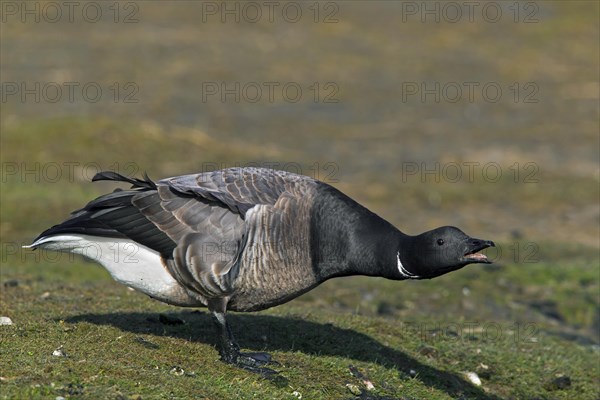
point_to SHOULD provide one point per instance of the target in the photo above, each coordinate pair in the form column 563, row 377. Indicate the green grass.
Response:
column 116, row 345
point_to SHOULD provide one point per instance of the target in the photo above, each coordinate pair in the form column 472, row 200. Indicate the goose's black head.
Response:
column 438, row 252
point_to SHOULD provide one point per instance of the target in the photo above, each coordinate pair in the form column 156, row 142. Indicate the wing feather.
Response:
column 238, row 189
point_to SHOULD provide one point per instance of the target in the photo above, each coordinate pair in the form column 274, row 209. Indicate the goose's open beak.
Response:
column 473, row 246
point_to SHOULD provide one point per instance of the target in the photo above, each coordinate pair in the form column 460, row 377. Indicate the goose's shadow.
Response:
column 291, row 334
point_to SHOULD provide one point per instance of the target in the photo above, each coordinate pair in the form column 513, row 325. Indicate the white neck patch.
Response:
column 404, row 272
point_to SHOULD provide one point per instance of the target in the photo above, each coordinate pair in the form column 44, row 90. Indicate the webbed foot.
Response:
column 255, row 362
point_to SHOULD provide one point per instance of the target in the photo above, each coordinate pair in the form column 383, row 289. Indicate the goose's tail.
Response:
column 114, row 232
column 112, row 215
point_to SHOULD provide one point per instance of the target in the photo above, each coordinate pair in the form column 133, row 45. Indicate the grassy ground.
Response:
column 528, row 325
column 116, row 344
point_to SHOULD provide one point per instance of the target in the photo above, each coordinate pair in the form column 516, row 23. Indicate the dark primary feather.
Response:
column 145, row 183
column 112, row 215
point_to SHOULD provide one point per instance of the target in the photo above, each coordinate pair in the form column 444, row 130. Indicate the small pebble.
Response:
column 412, row 373
column 5, row 321
column 59, row 352
column 45, row 295
column 297, row 394
column 474, row 378
column 59, row 398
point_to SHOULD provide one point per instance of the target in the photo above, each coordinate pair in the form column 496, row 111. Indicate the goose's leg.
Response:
column 228, row 347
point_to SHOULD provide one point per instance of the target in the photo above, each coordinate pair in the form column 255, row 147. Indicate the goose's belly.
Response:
column 263, row 284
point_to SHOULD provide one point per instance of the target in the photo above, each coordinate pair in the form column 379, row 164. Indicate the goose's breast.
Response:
column 276, row 263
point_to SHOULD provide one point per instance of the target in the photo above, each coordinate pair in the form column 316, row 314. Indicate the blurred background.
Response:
column 485, row 117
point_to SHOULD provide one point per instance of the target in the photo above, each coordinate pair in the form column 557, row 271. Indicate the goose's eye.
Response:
column 440, row 242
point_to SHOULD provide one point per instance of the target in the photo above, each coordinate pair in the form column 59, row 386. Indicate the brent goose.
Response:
column 246, row 239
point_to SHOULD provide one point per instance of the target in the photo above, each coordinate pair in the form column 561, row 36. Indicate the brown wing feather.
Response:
column 239, row 189
column 207, row 235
